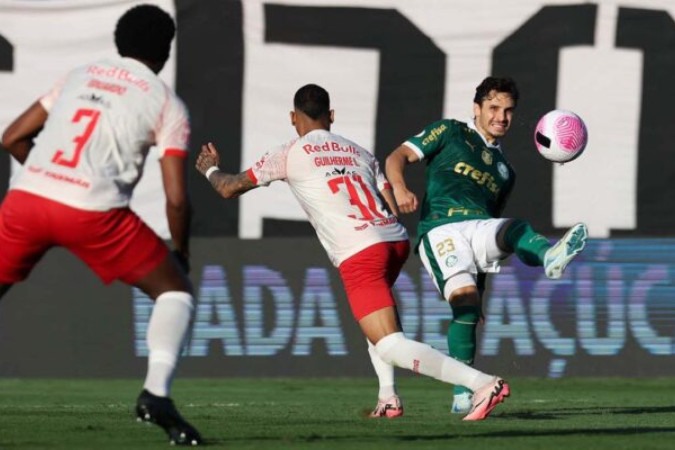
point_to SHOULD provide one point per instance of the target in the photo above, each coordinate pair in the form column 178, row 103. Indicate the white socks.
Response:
column 398, row 350
column 385, row 374
column 167, row 328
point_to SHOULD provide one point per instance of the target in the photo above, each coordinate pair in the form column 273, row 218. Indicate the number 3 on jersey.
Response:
column 368, row 211
column 88, row 117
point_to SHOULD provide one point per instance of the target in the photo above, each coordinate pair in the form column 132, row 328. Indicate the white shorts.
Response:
column 455, row 253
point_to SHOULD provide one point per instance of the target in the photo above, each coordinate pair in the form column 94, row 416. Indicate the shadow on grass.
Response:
column 617, row 431
column 381, row 439
column 553, row 414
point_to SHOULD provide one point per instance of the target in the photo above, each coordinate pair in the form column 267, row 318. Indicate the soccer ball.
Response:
column 560, row 136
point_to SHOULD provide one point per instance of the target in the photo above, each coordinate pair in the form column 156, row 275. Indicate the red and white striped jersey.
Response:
column 103, row 118
column 337, row 183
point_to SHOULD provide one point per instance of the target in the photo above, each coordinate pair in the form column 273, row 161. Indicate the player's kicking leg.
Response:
column 563, row 252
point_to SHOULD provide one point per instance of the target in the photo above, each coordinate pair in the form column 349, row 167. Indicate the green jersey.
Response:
column 465, row 178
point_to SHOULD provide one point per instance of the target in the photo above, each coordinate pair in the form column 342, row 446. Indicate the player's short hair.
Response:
column 501, row 85
column 145, row 32
column 313, row 100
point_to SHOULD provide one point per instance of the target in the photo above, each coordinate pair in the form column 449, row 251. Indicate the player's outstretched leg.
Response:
column 486, row 398
column 563, row 252
column 389, row 408
column 162, row 412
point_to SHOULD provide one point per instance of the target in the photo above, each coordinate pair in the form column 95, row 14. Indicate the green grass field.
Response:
column 329, row 414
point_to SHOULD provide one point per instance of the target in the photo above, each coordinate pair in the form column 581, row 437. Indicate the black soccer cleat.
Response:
column 162, row 412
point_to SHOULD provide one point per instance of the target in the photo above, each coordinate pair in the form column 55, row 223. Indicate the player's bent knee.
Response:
column 385, row 347
column 461, row 281
column 466, row 296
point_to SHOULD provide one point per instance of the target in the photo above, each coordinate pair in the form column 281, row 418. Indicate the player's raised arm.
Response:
column 227, row 185
column 394, row 167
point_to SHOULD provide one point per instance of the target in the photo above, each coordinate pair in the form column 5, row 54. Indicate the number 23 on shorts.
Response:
column 445, row 246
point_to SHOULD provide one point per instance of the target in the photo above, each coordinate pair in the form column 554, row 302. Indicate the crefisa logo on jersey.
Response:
column 503, row 170
column 434, row 134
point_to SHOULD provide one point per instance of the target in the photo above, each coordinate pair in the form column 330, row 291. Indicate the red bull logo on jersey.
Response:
column 434, row 134
column 330, row 146
column 119, row 74
column 481, row 178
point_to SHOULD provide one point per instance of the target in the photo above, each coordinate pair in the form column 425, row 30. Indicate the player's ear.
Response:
column 332, row 115
column 292, row 114
column 476, row 110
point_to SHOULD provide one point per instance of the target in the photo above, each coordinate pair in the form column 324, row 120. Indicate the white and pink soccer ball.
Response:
column 560, row 136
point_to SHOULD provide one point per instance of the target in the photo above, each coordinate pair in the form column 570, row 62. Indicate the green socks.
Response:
column 528, row 245
column 462, row 337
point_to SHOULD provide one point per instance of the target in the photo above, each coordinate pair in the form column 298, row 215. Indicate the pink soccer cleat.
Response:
column 390, row 408
column 487, row 398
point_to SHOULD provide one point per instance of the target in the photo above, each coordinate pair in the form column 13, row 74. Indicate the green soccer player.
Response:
column 461, row 235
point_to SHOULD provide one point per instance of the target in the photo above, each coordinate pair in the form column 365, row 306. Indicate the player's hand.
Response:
column 405, row 200
column 183, row 260
column 208, row 157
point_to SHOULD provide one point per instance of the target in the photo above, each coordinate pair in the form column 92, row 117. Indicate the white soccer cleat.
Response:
column 563, row 252
column 461, row 403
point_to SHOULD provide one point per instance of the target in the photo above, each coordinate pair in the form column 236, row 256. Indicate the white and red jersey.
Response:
column 103, row 118
column 337, row 183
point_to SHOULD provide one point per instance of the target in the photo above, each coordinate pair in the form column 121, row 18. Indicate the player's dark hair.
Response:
column 145, row 32
column 312, row 100
column 503, row 85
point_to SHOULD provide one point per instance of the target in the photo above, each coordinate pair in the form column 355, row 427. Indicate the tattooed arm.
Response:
column 227, row 185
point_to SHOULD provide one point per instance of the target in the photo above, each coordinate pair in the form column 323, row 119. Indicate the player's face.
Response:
column 493, row 116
